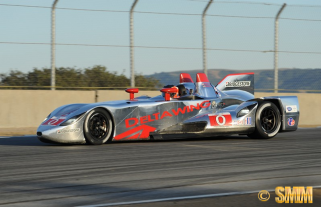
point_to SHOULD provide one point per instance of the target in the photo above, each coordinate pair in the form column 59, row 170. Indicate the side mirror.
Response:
column 131, row 92
column 168, row 92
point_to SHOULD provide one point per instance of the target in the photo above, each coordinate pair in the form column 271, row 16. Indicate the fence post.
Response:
column 96, row 96
column 204, row 37
column 131, row 30
column 276, row 45
column 53, row 45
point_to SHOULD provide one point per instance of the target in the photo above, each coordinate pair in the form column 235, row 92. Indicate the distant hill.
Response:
column 289, row 79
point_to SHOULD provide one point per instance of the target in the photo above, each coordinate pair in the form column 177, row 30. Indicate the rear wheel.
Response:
column 98, row 127
column 267, row 121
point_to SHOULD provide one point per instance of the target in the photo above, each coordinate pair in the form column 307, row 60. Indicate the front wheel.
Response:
column 98, row 127
column 267, row 121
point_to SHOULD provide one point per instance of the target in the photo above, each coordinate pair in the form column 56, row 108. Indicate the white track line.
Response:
column 179, row 198
column 171, row 199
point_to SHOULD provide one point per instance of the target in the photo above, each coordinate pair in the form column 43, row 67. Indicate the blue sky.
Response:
column 20, row 24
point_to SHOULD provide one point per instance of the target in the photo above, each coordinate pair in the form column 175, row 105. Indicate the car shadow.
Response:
column 185, row 139
column 34, row 141
column 26, row 141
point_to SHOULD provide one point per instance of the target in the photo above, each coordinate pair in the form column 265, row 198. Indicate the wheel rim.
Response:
column 269, row 120
column 98, row 126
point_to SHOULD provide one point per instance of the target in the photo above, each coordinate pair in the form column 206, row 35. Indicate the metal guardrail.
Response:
column 142, row 88
column 299, row 90
column 62, row 87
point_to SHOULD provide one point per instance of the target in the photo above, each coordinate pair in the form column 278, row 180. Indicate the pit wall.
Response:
column 23, row 110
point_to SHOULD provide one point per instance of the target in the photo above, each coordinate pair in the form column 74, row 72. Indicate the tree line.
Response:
column 96, row 76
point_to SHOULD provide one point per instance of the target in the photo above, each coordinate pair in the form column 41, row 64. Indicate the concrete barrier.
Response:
column 110, row 95
column 23, row 110
column 310, row 114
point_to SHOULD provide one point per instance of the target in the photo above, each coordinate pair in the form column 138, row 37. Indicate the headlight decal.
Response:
column 71, row 120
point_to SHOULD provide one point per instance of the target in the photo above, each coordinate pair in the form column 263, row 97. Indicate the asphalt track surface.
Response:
column 212, row 171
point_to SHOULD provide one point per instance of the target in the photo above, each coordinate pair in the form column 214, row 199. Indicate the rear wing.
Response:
column 237, row 81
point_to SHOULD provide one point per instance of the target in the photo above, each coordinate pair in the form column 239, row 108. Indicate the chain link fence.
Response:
column 92, row 43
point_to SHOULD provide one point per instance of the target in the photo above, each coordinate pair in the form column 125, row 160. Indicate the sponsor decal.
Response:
column 223, row 119
column 291, row 109
column 130, row 122
column 291, row 121
column 238, row 84
column 239, row 122
column 141, row 132
column 54, row 121
column 247, row 121
column 63, row 131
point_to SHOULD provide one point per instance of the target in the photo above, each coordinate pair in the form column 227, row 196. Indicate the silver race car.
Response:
column 185, row 110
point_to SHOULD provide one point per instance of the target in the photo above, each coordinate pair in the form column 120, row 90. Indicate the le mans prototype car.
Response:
column 185, row 110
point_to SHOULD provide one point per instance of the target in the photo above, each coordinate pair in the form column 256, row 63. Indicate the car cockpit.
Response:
column 188, row 90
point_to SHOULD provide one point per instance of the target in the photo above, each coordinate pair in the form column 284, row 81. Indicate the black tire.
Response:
column 267, row 121
column 98, row 127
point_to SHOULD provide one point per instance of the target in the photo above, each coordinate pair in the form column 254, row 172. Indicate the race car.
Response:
column 188, row 109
